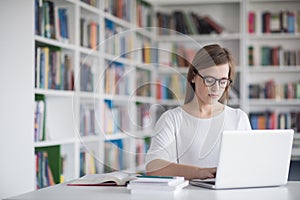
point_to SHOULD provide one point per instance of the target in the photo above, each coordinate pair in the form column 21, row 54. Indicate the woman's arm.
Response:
column 160, row 167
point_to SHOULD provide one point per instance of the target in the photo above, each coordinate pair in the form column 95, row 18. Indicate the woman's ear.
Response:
column 193, row 79
column 194, row 76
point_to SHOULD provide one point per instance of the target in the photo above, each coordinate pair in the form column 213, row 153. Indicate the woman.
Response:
column 188, row 137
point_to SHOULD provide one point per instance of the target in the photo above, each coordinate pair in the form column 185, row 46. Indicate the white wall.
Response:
column 17, row 173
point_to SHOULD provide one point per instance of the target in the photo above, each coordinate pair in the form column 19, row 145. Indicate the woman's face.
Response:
column 210, row 95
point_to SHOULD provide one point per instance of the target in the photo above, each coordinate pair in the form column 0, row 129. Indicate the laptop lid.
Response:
column 254, row 158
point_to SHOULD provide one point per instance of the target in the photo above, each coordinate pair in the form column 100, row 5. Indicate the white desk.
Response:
column 289, row 192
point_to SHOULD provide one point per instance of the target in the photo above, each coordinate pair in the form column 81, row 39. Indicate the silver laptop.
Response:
column 255, row 158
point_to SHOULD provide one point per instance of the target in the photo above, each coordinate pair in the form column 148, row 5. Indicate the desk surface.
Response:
column 289, row 192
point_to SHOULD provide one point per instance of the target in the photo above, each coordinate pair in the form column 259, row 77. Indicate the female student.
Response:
column 187, row 138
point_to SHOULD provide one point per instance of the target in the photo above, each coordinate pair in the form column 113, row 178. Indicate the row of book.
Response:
column 114, row 155
column 87, row 120
column 274, row 56
column 119, row 8
column 44, row 177
column 120, row 43
column 89, row 33
column 48, row 166
column 171, row 87
column 86, row 77
column 119, row 119
column 187, row 23
column 93, row 3
column 141, row 147
column 116, row 80
column 144, row 121
column 275, row 120
column 287, row 21
column 273, row 90
column 117, row 152
column 116, row 117
column 117, row 41
column 143, row 12
column 175, row 55
column 123, row 10
column 144, row 52
column 143, row 83
column 53, row 69
column 51, row 21
column 87, row 163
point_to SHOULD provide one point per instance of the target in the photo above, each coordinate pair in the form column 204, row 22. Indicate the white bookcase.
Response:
column 64, row 107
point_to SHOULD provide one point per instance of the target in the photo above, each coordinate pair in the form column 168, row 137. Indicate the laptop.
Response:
column 254, row 158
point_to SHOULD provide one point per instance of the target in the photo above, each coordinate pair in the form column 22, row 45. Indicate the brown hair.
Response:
column 209, row 56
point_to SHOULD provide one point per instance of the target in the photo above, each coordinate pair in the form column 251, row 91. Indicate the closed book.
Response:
column 154, row 188
column 157, row 180
column 266, row 18
column 215, row 26
column 251, row 22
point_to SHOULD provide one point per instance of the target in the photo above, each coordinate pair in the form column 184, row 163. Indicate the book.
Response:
column 251, row 22
column 156, row 184
column 157, row 181
column 117, row 178
column 48, row 166
column 142, row 189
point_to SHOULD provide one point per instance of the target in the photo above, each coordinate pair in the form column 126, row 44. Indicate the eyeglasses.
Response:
column 209, row 81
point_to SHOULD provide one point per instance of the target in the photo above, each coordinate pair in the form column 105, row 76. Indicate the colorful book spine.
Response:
column 272, row 90
column 48, row 166
column 251, row 22
column 275, row 120
column 87, row 163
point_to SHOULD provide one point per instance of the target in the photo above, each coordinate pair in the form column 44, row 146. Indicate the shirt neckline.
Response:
column 210, row 118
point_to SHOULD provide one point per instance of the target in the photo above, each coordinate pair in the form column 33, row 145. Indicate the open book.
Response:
column 118, row 178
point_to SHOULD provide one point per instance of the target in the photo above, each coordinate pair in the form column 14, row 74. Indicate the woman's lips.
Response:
column 213, row 95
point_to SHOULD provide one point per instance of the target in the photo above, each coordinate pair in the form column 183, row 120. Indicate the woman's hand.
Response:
column 160, row 167
column 205, row 173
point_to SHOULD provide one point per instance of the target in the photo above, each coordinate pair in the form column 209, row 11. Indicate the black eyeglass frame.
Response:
column 229, row 81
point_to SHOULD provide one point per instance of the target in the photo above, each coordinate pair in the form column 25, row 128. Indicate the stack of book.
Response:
column 156, row 184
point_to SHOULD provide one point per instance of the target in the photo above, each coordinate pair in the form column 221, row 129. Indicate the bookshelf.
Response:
column 272, row 46
column 89, row 59
column 242, row 32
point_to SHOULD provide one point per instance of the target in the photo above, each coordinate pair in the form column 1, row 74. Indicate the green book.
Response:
column 298, row 90
column 54, row 159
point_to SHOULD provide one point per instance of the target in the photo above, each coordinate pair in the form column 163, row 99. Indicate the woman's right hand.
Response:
column 205, row 173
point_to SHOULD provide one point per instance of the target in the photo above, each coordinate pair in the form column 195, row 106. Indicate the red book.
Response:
column 275, row 56
column 158, row 89
column 251, row 22
column 218, row 28
column 266, row 19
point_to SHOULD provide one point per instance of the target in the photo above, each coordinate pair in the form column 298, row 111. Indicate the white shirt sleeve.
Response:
column 163, row 143
column 243, row 121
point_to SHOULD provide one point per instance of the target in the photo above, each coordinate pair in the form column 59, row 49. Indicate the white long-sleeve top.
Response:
column 185, row 139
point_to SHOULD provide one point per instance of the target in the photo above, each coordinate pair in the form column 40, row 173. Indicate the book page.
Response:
column 120, row 178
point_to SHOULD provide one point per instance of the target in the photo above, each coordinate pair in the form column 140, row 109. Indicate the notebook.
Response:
column 254, row 158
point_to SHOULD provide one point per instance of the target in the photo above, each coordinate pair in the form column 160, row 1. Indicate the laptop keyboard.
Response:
column 210, row 182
